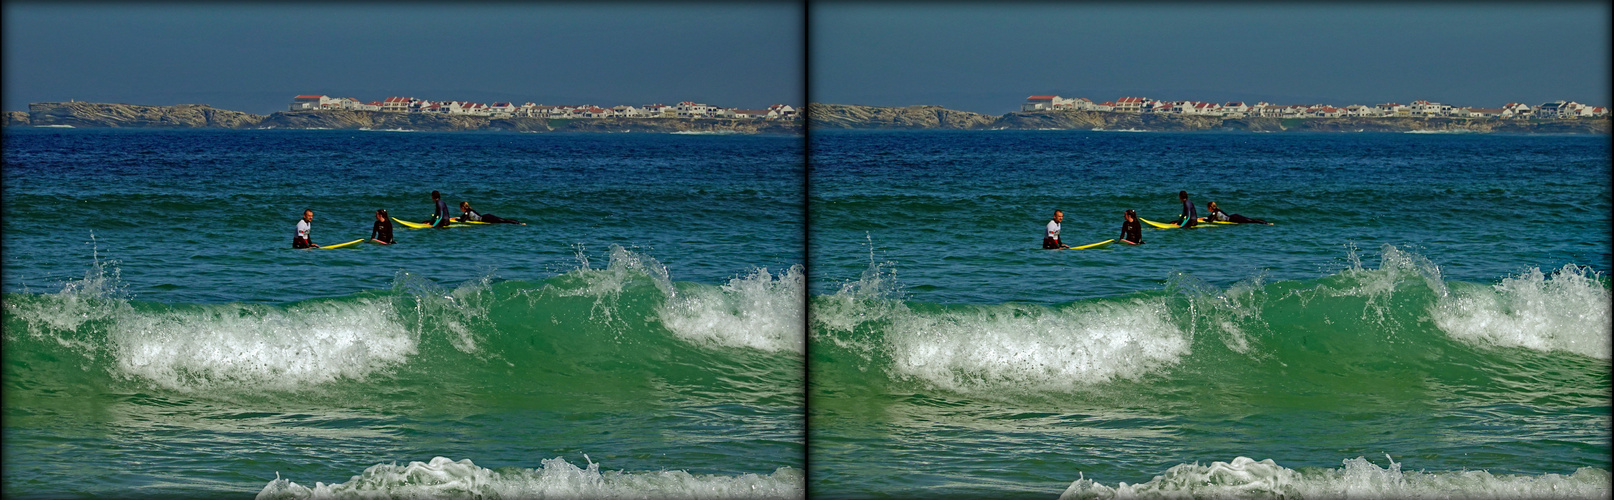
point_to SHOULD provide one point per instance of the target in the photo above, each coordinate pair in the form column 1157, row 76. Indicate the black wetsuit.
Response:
column 488, row 218
column 1218, row 214
column 1132, row 231
column 1188, row 214
column 439, row 214
column 382, row 231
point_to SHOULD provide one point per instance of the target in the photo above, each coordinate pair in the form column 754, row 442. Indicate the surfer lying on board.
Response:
column 300, row 239
column 439, row 212
column 471, row 215
column 1050, row 240
column 1189, row 216
column 382, row 231
column 1131, row 229
column 1216, row 214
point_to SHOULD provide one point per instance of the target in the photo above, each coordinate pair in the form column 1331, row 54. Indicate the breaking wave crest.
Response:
column 442, row 478
column 1356, row 478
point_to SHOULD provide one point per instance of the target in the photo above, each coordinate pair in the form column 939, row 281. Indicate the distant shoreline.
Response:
column 192, row 116
column 845, row 116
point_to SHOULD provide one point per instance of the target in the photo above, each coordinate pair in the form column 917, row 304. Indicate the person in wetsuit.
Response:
column 1131, row 229
column 1216, row 214
column 1189, row 216
column 440, row 214
column 382, row 231
column 300, row 239
column 467, row 214
column 1050, row 239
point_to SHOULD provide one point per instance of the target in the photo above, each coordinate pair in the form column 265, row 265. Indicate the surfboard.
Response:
column 410, row 225
column 343, row 245
column 1094, row 245
column 457, row 221
column 418, row 225
column 1159, row 225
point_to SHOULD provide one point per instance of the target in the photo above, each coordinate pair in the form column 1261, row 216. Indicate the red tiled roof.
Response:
column 1041, row 98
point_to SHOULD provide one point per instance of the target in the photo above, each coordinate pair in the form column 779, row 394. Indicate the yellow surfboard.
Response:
column 418, row 225
column 343, row 245
column 1094, row 245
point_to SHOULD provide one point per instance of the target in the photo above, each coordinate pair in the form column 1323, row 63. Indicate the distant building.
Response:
column 307, row 102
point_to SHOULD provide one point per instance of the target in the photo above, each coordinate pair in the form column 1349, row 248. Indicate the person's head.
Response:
column 1211, row 205
column 1182, row 195
column 308, row 215
column 437, row 195
column 381, row 214
column 465, row 206
column 1059, row 216
column 1131, row 215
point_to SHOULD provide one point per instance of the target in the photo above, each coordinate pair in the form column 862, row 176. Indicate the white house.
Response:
column 689, row 109
column 1129, row 104
column 783, row 111
column 1042, row 103
column 306, row 102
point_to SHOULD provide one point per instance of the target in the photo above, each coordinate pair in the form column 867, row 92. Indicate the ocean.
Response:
column 1428, row 316
column 641, row 335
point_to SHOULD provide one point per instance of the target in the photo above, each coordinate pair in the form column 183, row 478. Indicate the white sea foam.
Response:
column 257, row 347
column 442, row 478
column 1015, row 348
column 1567, row 311
column 1357, row 478
column 758, row 311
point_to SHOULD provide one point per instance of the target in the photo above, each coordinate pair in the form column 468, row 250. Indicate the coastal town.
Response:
column 1555, row 110
column 686, row 109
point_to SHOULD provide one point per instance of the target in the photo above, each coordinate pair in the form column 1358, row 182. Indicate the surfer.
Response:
column 1050, row 240
column 382, row 231
column 300, row 238
column 471, row 215
column 439, row 212
column 1189, row 216
column 1131, row 230
column 1216, row 214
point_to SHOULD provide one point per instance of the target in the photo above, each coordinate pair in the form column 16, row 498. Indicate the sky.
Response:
column 255, row 57
column 987, row 58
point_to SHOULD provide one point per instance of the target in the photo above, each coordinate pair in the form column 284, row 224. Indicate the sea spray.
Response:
column 757, row 311
column 443, row 478
column 1567, row 310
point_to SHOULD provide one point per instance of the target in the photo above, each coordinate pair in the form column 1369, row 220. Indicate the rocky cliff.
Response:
column 851, row 116
column 90, row 114
column 933, row 117
column 86, row 114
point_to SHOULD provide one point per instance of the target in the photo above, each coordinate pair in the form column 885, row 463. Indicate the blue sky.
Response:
column 988, row 57
column 255, row 56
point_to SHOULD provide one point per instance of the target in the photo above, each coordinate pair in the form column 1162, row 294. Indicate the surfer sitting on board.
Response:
column 1131, row 230
column 1050, row 240
column 300, row 238
column 439, row 213
column 1216, row 214
column 382, row 231
column 1189, row 216
column 472, row 215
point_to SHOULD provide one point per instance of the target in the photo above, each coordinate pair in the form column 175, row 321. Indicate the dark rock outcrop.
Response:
column 91, row 114
column 918, row 117
column 17, row 119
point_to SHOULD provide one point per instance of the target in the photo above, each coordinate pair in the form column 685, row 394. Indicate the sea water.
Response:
column 1427, row 317
column 641, row 336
